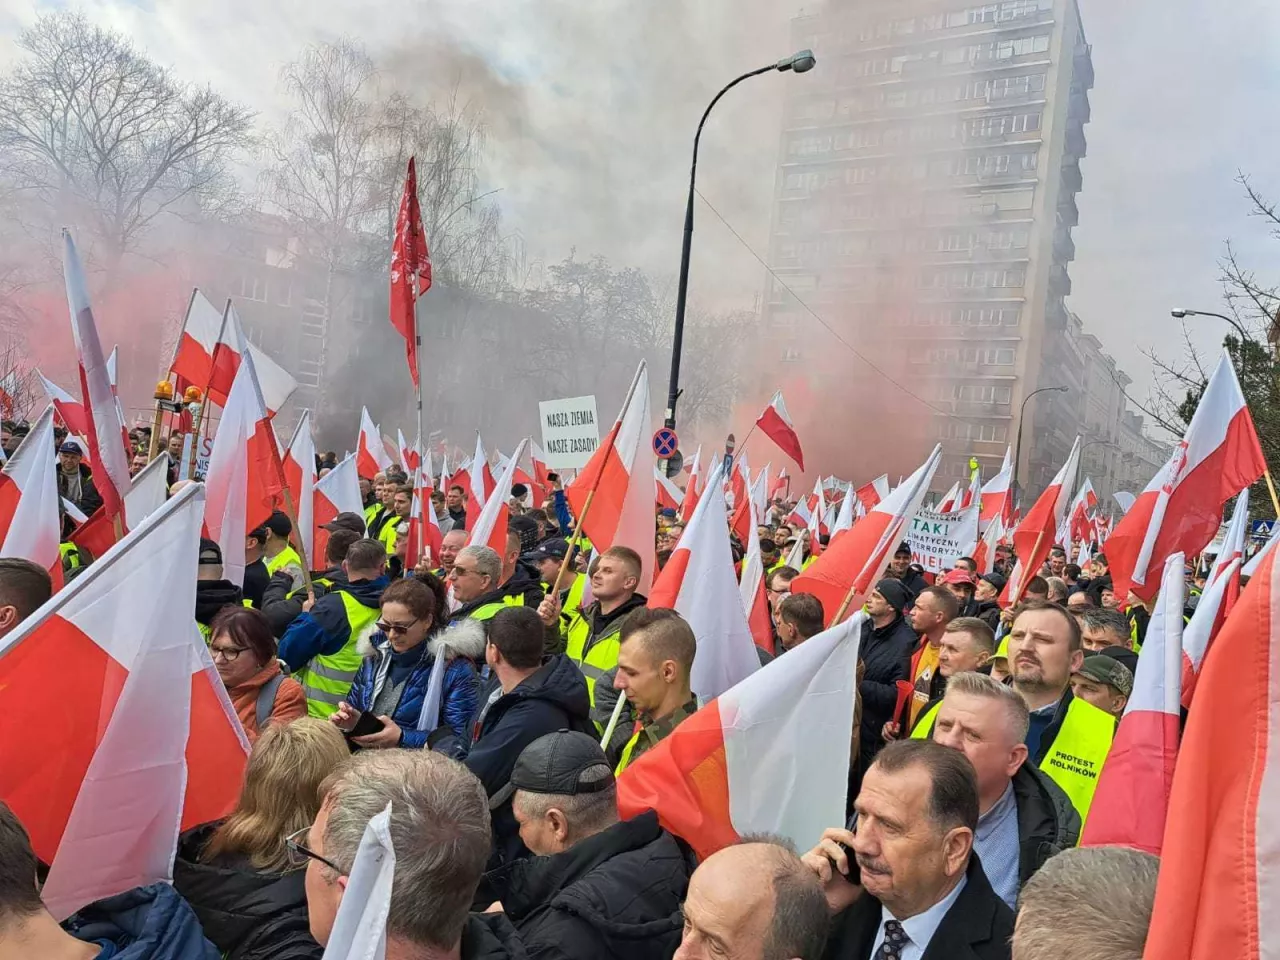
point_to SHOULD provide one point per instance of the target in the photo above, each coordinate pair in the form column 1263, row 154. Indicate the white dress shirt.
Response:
column 920, row 928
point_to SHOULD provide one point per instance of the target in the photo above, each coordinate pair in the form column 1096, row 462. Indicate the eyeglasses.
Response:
column 458, row 571
column 228, row 654
column 390, row 628
column 299, row 854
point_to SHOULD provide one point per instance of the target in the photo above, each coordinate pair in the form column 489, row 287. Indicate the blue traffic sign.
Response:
column 1261, row 529
column 665, row 442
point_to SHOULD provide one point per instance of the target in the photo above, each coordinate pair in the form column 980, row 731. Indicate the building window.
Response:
column 253, row 288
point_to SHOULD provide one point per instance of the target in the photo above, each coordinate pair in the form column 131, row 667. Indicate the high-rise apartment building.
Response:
column 924, row 208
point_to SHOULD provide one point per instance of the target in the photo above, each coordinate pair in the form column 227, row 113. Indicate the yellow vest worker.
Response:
column 923, row 729
column 1075, row 756
column 286, row 557
column 388, row 535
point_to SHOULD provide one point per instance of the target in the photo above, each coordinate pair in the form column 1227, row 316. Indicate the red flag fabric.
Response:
column 996, row 498
column 371, row 454
column 1219, row 867
column 775, row 423
column 1035, row 535
column 30, row 523
column 410, row 268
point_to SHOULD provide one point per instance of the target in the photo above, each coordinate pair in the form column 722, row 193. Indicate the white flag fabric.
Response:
column 360, row 928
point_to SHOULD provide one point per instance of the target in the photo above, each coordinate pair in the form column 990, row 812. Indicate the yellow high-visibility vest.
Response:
column 1077, row 753
column 598, row 659
column 326, row 679
column 923, row 729
column 283, row 559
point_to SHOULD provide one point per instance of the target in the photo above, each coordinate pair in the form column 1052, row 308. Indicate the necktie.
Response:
column 895, row 938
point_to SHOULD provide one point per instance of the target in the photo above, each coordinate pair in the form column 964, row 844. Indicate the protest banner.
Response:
column 938, row 540
column 570, row 431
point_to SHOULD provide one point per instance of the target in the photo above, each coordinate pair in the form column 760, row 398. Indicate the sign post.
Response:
column 570, row 431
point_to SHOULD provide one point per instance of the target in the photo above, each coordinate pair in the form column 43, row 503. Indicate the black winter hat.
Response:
column 894, row 593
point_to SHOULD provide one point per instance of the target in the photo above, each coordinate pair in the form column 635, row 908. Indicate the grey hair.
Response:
column 981, row 685
column 1103, row 618
column 800, row 913
column 586, row 813
column 1087, row 903
column 440, row 829
column 488, row 562
column 1057, row 588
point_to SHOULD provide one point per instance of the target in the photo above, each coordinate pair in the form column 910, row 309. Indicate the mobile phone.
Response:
column 366, row 724
column 854, row 875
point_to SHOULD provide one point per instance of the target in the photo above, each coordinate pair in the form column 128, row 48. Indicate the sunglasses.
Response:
column 299, row 854
column 395, row 628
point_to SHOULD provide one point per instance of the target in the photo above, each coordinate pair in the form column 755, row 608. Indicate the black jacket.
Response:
column 1096, row 586
column 914, row 582
column 1047, row 822
column 977, row 927
column 255, row 582
column 886, row 653
column 616, row 894
column 89, row 499
column 281, row 603
column 212, row 596
column 490, row 936
column 554, row 698
column 248, row 915
column 988, row 611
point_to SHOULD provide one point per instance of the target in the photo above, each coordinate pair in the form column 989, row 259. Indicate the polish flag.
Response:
column 30, row 526
column 1034, row 536
column 336, row 492
column 112, row 367
column 850, row 568
column 139, row 740
column 1232, row 549
column 300, row 481
column 768, row 756
column 870, row 494
column 972, row 493
column 202, row 328
column 779, row 487
column 542, row 486
column 755, row 601
column 245, row 482
column 698, row 582
column 692, row 489
column 518, row 475
column 760, row 494
column 410, row 456
column 996, row 497
column 775, row 423
column 148, row 493
column 1205, row 624
column 617, row 479
column 815, row 525
column 1216, row 893
column 490, row 528
column 478, row 482
column 1131, row 800
column 741, row 517
column 111, row 476
column 371, row 455
column 669, row 496
column 947, row 502
column 844, row 519
column 984, row 557
column 1218, row 457
column 69, row 410
column 1080, row 515
column 425, row 536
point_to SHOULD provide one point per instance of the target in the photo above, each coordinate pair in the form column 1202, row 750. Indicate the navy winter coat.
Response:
column 145, row 923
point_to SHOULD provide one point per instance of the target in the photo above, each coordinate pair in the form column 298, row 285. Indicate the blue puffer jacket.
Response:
column 145, row 923
column 463, row 644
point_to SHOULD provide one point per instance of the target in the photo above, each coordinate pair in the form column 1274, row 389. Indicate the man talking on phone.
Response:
column 907, row 883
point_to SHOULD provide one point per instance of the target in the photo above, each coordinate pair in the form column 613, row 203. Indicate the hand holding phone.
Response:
column 365, row 724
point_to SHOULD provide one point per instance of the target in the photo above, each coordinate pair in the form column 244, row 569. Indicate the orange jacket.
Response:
column 290, row 702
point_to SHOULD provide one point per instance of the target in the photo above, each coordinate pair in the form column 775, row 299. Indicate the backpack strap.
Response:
column 267, row 700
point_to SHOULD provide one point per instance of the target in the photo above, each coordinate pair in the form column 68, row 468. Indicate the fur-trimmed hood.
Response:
column 464, row 639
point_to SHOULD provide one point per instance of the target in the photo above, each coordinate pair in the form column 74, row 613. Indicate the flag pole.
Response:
column 199, row 422
column 1271, row 488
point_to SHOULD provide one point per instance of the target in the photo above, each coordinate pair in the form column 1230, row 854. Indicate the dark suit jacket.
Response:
column 977, row 927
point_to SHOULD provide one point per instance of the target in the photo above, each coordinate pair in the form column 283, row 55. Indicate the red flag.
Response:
column 30, row 524
column 1219, row 867
column 775, row 423
column 1035, row 535
column 410, row 269
column 1131, row 800
column 371, row 455
column 692, row 489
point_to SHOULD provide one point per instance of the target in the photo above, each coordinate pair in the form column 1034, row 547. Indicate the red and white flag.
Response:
column 870, row 494
column 851, row 566
column 425, row 536
column 620, row 473
column 137, row 740
column 542, row 487
column 1220, row 861
column 69, row 410
column 1035, row 535
column 949, row 500
column 972, row 493
column 699, row 583
column 300, row 480
column 410, row 456
column 984, row 557
column 775, row 423
column 669, row 496
column 490, row 528
column 477, row 478
column 768, row 756
column 410, row 270
column 371, row 455
column 1079, row 523
column 518, row 474
column 996, row 497
column 844, row 519
column 30, row 526
column 693, row 488
column 740, row 487
column 1205, row 624
column 10, row 385
column 245, row 482
column 338, row 491
column 1218, row 457
column 755, row 600
column 1233, row 548
column 111, row 473
column 1131, row 800
column 148, row 494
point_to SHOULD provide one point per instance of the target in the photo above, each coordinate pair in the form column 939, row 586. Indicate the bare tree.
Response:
column 91, row 128
column 21, row 395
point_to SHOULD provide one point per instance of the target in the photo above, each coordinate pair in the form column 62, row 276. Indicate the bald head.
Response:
column 756, row 901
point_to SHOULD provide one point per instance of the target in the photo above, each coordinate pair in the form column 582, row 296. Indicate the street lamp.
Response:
column 1017, row 449
column 1181, row 312
column 801, row 62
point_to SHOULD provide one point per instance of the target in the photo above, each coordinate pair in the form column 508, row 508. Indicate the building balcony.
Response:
column 1079, row 108
column 1059, row 281
column 1068, row 212
column 1072, row 178
column 1077, row 145
column 1064, row 248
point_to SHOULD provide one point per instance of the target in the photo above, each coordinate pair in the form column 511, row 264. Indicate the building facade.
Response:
column 924, row 208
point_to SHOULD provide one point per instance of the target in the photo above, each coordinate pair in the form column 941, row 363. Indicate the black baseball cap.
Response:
column 553, row 549
column 210, row 552
column 555, row 763
column 346, row 521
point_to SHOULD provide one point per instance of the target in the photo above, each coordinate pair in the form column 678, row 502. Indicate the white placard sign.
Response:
column 570, row 431
column 938, row 540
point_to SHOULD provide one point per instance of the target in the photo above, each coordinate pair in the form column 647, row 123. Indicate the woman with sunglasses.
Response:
column 241, row 875
column 393, row 681
column 244, row 651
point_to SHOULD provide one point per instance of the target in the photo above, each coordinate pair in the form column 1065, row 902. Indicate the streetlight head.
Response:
column 1179, row 313
column 1061, row 389
column 801, row 62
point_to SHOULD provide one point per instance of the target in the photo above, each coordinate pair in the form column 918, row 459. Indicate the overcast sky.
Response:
column 593, row 106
